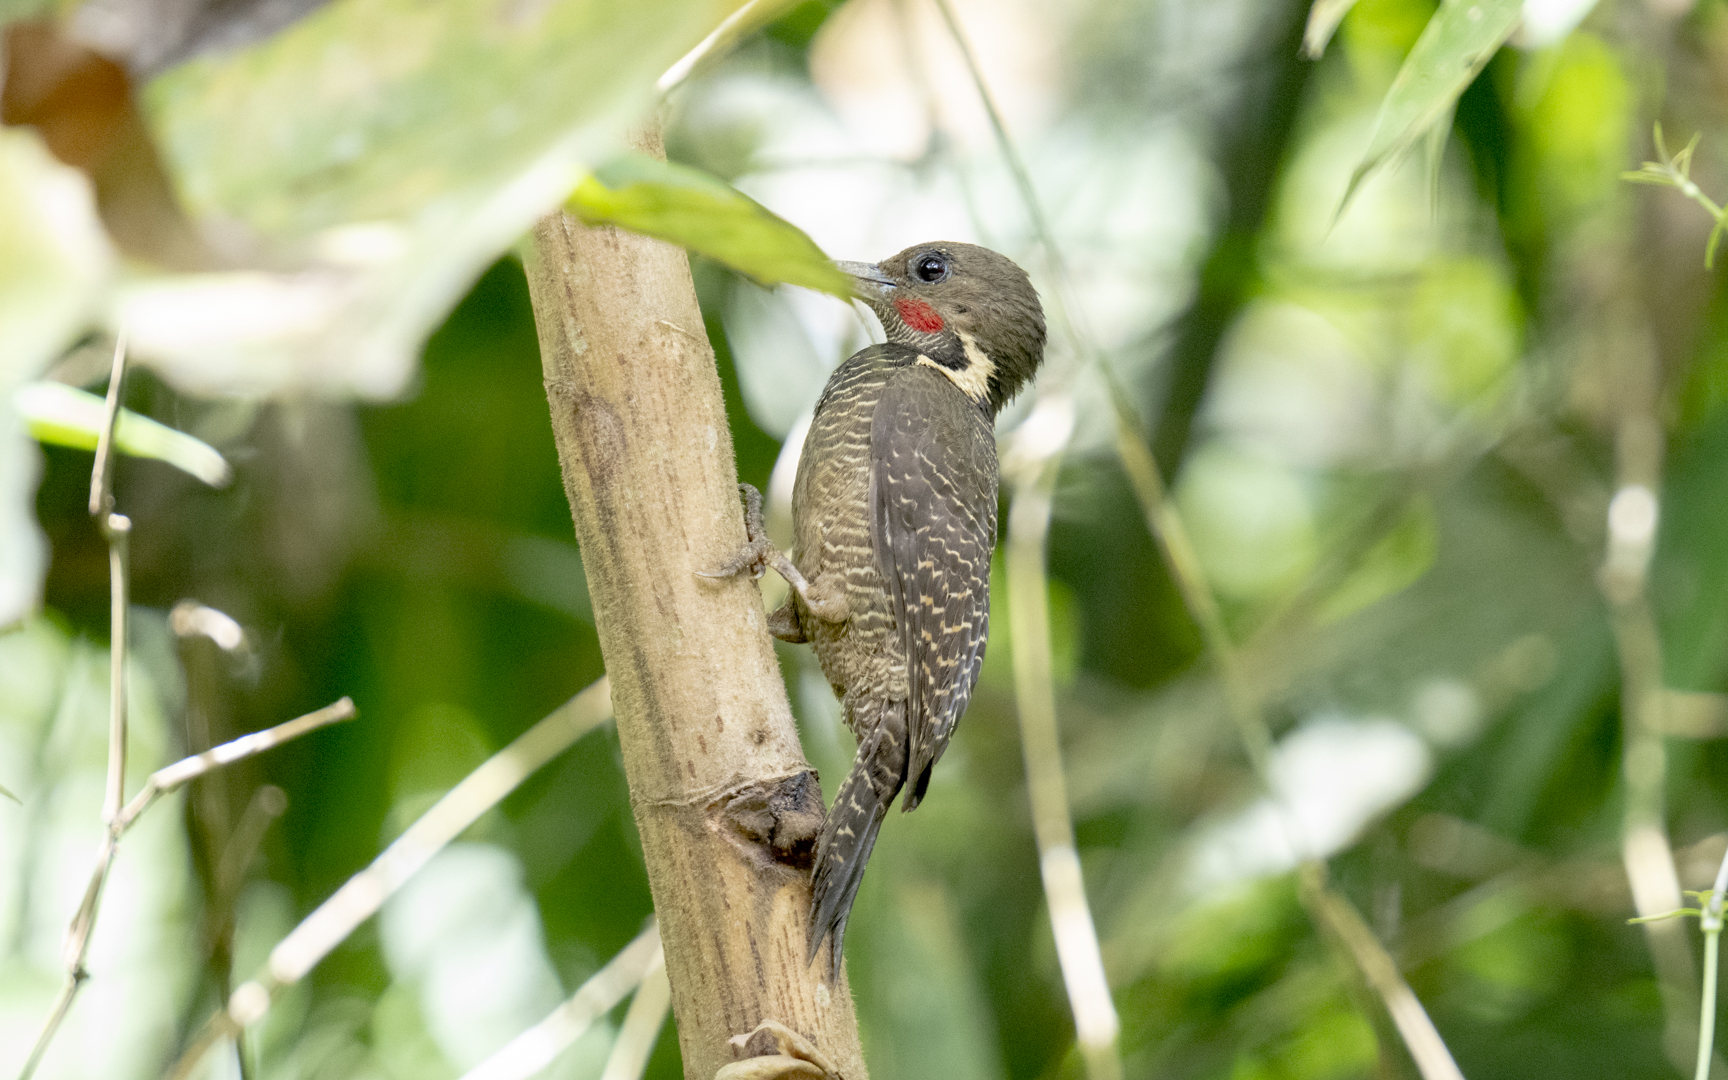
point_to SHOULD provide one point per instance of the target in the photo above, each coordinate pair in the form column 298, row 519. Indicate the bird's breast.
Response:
column 831, row 520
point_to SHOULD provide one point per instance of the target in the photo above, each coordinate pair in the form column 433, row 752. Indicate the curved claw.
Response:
column 752, row 557
column 757, row 552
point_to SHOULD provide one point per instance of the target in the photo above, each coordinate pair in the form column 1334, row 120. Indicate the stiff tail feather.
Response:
column 849, row 833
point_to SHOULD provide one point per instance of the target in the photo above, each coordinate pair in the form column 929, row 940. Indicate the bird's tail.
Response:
column 849, row 831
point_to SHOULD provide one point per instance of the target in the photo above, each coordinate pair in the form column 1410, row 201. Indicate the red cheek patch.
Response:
column 918, row 315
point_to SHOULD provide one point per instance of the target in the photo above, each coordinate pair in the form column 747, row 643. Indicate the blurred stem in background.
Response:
column 1032, row 467
column 1633, row 516
column 225, row 844
column 363, row 894
column 1331, row 912
column 118, row 814
column 636, row 967
column 1039, row 447
column 1633, row 524
column 160, row 783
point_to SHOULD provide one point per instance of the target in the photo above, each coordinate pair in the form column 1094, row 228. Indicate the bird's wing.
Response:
column 933, row 511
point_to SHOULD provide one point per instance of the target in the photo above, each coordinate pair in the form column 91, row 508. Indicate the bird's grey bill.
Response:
column 868, row 280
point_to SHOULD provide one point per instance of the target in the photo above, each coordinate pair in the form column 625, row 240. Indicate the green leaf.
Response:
column 373, row 110
column 67, row 416
column 1454, row 47
column 705, row 214
column 1323, row 19
column 372, row 159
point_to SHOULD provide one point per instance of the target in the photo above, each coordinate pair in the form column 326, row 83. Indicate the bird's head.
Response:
column 971, row 311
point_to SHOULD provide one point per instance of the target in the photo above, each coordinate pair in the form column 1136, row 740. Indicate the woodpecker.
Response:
column 894, row 521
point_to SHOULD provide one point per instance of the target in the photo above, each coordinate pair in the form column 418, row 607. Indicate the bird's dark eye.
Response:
column 930, row 267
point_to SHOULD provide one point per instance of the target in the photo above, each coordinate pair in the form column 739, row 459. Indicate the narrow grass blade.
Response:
column 1453, row 49
column 67, row 416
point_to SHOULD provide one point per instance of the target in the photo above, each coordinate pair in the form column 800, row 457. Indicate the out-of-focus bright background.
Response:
column 1397, row 435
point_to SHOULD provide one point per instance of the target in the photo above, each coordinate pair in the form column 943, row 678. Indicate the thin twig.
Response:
column 1023, row 181
column 363, row 894
column 747, row 18
column 227, row 877
column 161, row 782
column 1183, row 560
column 116, row 530
column 102, row 473
column 1338, row 915
column 540, row 1045
column 1035, row 460
column 172, row 776
column 266, row 805
column 1377, row 966
column 1710, row 921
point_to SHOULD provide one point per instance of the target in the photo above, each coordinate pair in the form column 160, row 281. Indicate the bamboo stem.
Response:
column 727, row 807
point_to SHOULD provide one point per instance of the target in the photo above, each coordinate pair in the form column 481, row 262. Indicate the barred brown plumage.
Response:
column 894, row 511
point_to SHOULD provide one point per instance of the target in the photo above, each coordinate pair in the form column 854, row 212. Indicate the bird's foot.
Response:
column 754, row 555
column 757, row 554
column 778, row 1052
column 826, row 599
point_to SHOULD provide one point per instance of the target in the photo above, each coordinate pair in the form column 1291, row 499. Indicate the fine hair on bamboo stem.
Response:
column 363, row 894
